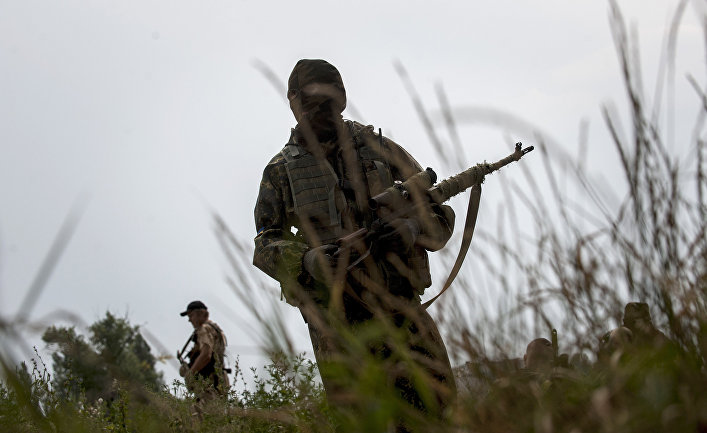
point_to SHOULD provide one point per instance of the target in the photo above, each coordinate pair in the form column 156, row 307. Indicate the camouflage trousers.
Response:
column 208, row 391
column 398, row 354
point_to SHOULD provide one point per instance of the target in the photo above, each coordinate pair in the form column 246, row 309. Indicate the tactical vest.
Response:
column 216, row 360
column 316, row 189
column 319, row 200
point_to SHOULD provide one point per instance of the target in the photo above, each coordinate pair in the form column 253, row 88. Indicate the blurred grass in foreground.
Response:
column 650, row 247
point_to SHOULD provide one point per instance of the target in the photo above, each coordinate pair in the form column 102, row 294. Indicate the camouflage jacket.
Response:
column 209, row 334
column 280, row 244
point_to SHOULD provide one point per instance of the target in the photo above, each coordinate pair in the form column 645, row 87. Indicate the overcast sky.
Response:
column 152, row 113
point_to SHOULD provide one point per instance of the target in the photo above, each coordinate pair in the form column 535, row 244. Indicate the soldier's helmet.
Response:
column 539, row 354
column 636, row 311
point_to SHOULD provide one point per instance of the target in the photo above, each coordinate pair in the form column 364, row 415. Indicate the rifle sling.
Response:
column 471, row 213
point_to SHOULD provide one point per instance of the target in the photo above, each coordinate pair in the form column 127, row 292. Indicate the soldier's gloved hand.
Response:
column 320, row 262
column 183, row 369
column 398, row 236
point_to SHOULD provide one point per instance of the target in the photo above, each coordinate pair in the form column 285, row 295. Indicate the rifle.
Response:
column 403, row 199
column 558, row 359
column 180, row 353
column 555, row 347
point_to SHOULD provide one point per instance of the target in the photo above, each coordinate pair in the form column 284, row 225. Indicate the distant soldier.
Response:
column 637, row 318
column 539, row 355
column 544, row 363
column 205, row 374
column 514, row 400
column 614, row 343
column 580, row 363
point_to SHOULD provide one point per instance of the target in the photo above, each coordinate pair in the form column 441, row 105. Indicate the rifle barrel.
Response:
column 454, row 185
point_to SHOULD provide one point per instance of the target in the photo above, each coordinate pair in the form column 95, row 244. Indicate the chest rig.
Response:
column 316, row 189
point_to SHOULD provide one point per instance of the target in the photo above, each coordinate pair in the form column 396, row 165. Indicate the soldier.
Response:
column 614, row 341
column 205, row 374
column 637, row 318
column 539, row 355
column 315, row 191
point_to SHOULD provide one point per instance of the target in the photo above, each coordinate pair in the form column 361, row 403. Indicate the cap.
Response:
column 193, row 305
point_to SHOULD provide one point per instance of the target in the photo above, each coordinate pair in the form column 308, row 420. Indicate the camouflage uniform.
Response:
column 212, row 380
column 386, row 289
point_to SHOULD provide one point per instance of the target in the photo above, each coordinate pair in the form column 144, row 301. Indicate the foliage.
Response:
column 289, row 388
column 649, row 247
column 641, row 391
column 287, row 398
column 115, row 351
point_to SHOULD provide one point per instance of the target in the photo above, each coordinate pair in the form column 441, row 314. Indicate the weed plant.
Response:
column 575, row 270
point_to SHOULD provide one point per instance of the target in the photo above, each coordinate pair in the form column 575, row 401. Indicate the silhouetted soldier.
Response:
column 315, row 191
column 637, row 318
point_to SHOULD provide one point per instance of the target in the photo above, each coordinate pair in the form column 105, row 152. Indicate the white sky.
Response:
column 156, row 113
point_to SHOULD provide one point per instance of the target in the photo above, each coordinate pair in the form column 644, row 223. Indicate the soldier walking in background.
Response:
column 205, row 373
column 314, row 192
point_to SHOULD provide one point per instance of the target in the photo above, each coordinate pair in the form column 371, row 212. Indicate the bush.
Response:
column 650, row 247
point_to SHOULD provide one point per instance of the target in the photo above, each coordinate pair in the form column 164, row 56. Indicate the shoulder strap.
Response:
column 290, row 152
column 218, row 330
column 471, row 213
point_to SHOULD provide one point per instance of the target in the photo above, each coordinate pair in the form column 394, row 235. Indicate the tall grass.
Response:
column 574, row 269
